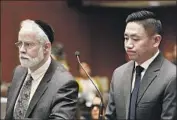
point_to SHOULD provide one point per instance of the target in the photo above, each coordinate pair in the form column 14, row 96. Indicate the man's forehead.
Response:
column 27, row 35
column 134, row 28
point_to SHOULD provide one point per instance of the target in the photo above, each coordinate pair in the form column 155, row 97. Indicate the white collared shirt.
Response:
column 145, row 65
column 37, row 76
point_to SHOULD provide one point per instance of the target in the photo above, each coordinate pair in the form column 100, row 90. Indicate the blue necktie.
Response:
column 22, row 103
column 134, row 94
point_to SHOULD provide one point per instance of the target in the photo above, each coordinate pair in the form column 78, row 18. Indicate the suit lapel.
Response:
column 42, row 87
column 127, row 78
column 39, row 91
column 150, row 75
column 18, row 82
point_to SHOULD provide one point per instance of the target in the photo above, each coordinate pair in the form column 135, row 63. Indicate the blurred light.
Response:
column 154, row 3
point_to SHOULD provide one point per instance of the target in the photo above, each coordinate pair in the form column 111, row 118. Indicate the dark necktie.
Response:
column 134, row 94
column 22, row 103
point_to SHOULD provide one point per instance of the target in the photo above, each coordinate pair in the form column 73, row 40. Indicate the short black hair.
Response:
column 147, row 19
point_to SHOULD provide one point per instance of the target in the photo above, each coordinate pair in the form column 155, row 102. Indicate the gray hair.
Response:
column 30, row 26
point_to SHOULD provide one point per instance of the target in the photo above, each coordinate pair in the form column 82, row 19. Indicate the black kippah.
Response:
column 47, row 29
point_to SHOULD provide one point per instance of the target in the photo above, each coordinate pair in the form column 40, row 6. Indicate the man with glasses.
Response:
column 41, row 87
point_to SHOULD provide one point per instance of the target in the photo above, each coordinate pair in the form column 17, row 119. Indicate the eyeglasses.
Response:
column 27, row 45
column 95, row 105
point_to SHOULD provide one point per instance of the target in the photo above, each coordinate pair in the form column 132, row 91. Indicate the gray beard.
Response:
column 31, row 62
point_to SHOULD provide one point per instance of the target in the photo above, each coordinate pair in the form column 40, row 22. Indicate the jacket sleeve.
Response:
column 64, row 103
column 111, row 109
column 169, row 101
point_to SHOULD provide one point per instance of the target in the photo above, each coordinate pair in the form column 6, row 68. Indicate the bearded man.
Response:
column 41, row 87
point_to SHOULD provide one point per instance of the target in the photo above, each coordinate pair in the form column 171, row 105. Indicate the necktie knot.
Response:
column 29, row 79
column 139, row 69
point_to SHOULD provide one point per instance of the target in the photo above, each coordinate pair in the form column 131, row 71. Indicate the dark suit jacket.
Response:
column 55, row 97
column 157, row 94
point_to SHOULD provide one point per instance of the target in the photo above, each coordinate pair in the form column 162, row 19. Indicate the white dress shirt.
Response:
column 145, row 65
column 37, row 76
column 88, row 91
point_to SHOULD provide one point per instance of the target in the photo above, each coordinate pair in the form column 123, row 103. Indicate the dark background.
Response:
column 97, row 32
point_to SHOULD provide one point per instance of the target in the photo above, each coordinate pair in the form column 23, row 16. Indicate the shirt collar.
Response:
column 37, row 73
column 146, row 64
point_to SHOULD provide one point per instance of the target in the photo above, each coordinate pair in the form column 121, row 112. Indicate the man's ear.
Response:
column 47, row 47
column 157, row 39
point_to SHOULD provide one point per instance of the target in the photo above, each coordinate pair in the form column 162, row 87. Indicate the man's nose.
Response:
column 95, row 108
column 22, row 48
column 129, row 44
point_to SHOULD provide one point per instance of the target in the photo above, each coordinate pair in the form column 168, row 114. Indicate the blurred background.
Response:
column 93, row 27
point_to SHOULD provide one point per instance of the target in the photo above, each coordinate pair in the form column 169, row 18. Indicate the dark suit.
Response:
column 157, row 94
column 55, row 97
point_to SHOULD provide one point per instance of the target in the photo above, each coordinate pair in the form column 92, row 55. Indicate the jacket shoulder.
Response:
column 124, row 66
column 169, row 67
